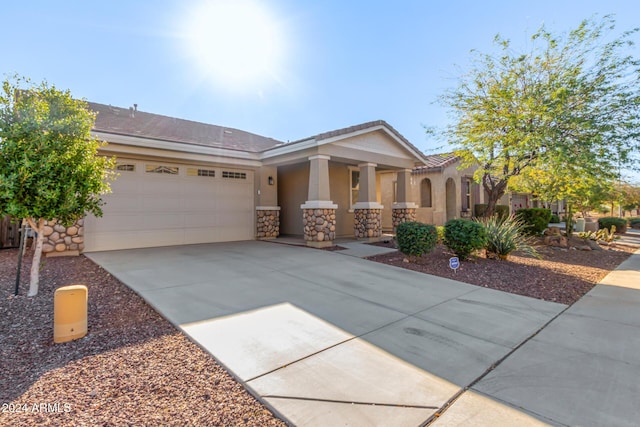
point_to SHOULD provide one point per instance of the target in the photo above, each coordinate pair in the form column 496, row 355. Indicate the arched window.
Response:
column 425, row 193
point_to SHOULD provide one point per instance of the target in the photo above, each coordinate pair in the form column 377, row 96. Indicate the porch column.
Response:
column 403, row 210
column 319, row 212
column 368, row 212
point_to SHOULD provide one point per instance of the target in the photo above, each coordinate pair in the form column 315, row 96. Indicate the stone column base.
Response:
column 319, row 226
column 367, row 224
column 400, row 215
column 267, row 222
column 63, row 240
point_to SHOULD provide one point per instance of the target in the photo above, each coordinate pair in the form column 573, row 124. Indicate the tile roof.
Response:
column 128, row 122
column 436, row 162
column 362, row 126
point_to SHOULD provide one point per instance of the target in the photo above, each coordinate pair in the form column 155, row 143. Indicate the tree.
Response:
column 49, row 167
column 630, row 197
column 570, row 105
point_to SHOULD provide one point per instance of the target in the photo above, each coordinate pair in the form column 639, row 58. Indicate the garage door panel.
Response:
column 147, row 209
column 168, row 203
column 125, row 203
column 200, row 220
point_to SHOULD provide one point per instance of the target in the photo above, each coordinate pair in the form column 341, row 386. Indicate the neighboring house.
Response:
column 183, row 182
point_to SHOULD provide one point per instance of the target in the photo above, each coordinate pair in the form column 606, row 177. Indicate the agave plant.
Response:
column 507, row 235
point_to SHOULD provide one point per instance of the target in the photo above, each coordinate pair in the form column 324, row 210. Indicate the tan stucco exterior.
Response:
column 436, row 213
column 310, row 180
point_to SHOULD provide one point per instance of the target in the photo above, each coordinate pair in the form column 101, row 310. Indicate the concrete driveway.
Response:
column 328, row 339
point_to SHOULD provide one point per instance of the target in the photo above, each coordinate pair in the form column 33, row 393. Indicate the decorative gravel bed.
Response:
column 133, row 367
column 562, row 275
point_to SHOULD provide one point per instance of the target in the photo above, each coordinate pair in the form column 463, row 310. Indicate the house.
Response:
column 184, row 182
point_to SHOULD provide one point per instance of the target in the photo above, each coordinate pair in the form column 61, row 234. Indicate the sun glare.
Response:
column 234, row 43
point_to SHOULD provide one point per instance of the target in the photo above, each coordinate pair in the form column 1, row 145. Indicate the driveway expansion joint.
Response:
column 493, row 366
column 349, row 402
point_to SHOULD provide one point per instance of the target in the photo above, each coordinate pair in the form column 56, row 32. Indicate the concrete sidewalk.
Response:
column 327, row 339
column 583, row 369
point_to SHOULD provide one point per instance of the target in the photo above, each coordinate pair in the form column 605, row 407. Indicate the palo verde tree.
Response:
column 567, row 100
column 49, row 167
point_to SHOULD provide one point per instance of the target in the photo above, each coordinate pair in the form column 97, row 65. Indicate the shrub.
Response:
column 535, row 220
column 506, row 236
column 440, row 231
column 415, row 238
column 501, row 210
column 463, row 237
column 554, row 218
column 634, row 222
column 608, row 221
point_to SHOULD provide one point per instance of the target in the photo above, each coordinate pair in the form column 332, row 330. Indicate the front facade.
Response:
column 182, row 182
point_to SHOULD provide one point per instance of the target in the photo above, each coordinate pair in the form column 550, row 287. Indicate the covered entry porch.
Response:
column 329, row 186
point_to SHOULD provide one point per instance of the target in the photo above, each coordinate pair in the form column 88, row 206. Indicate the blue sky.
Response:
column 331, row 64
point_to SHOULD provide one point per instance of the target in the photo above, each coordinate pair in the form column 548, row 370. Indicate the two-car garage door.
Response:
column 155, row 203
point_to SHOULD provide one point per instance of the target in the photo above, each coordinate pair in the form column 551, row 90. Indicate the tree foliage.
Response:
column 565, row 111
column 49, row 167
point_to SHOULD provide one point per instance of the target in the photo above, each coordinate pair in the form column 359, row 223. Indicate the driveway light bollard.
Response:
column 69, row 313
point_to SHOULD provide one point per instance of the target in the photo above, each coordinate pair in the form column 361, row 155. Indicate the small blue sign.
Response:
column 454, row 263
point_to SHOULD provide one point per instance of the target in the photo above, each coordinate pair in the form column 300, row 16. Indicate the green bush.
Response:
column 415, row 238
column 608, row 221
column 554, row 218
column 506, row 236
column 634, row 222
column 501, row 210
column 440, row 231
column 535, row 220
column 463, row 237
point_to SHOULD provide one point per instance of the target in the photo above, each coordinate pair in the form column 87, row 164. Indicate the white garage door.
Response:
column 162, row 204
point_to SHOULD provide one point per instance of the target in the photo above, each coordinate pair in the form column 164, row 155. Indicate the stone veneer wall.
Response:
column 58, row 238
column 367, row 223
column 267, row 224
column 319, row 224
column 400, row 215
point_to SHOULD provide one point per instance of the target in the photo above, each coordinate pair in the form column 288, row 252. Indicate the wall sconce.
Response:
column 270, row 180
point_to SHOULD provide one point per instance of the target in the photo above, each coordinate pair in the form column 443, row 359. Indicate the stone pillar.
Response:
column 319, row 212
column 400, row 215
column 403, row 210
column 319, row 226
column 63, row 241
column 267, row 222
column 367, row 222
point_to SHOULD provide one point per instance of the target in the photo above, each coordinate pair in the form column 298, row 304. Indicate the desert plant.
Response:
column 606, row 234
column 415, row 238
column 588, row 235
column 463, row 237
column 502, row 211
column 535, row 220
column 506, row 236
column 609, row 221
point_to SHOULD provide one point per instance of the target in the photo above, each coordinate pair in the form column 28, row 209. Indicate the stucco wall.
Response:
column 339, row 187
column 266, row 195
column 293, row 182
column 293, row 186
column 437, row 213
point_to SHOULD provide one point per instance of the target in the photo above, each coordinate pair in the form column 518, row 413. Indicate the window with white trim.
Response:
column 126, row 167
column 234, row 175
column 201, row 172
column 162, row 169
column 354, row 185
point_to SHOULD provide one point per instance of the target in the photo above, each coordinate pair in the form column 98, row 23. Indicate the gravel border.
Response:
column 132, row 368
